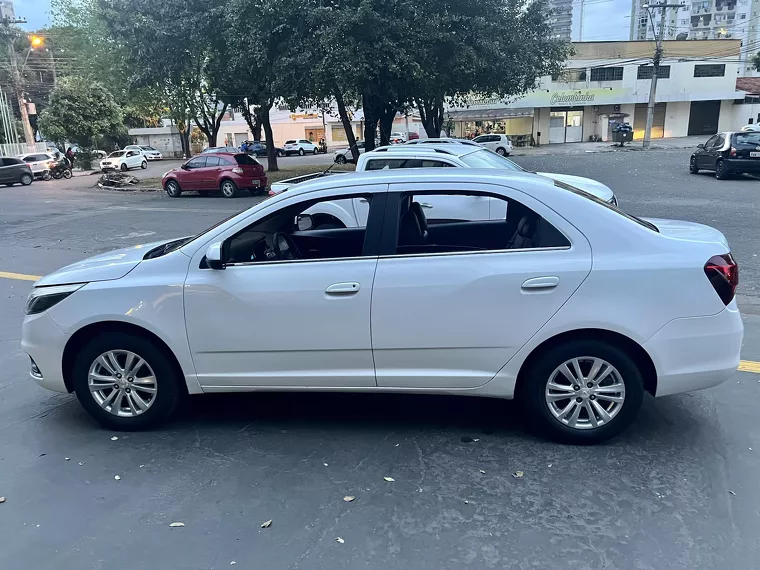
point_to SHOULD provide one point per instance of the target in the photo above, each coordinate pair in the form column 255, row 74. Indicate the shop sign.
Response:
column 296, row 116
column 581, row 97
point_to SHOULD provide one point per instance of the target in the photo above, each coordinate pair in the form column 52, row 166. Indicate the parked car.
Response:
column 40, row 163
column 397, row 137
column 225, row 172
column 344, row 155
column 437, row 156
column 299, row 146
column 728, row 153
column 15, row 170
column 499, row 143
column 148, row 152
column 755, row 128
column 96, row 154
column 123, row 160
column 572, row 306
column 259, row 148
column 220, row 149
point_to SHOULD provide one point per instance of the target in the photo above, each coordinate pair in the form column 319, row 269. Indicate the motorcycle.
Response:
column 322, row 147
column 61, row 169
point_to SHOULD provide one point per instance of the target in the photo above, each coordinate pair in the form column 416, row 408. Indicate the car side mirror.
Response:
column 214, row 256
column 185, row 167
column 304, row 222
column 700, row 145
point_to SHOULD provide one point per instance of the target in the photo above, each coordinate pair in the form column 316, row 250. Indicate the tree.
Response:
column 756, row 60
column 79, row 111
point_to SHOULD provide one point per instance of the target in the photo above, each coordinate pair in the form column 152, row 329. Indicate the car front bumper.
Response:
column 44, row 342
column 697, row 352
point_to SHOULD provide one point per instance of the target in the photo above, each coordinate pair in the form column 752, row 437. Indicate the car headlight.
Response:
column 43, row 298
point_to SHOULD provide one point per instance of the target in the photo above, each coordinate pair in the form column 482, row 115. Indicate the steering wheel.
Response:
column 285, row 247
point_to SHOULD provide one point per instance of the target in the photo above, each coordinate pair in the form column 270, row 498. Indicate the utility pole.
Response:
column 28, row 132
column 656, row 63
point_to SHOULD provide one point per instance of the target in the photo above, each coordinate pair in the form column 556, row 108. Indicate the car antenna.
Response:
column 334, row 163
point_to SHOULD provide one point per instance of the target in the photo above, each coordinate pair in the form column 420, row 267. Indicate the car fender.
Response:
column 340, row 209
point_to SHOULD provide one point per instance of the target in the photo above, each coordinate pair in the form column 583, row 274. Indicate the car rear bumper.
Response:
column 249, row 182
column 742, row 164
column 697, row 352
column 44, row 342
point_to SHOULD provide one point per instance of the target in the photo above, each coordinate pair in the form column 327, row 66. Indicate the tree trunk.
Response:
column 430, row 116
column 256, row 130
column 386, row 126
column 346, row 125
column 370, row 120
column 262, row 113
column 252, row 122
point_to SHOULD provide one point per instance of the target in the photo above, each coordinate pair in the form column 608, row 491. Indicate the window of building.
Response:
column 607, row 74
column 570, row 75
column 645, row 72
column 710, row 70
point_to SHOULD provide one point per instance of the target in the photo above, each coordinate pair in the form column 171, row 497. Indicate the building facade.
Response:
column 6, row 10
column 607, row 83
column 561, row 18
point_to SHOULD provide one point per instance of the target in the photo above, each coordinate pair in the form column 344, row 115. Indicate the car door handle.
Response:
column 426, row 205
column 348, row 288
column 541, row 283
column 363, row 200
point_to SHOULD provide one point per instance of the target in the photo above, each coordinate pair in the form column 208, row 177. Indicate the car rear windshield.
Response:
column 290, row 142
column 486, row 159
column 245, row 159
column 607, row 205
column 750, row 139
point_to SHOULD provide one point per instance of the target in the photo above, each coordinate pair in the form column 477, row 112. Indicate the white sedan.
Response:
column 123, row 160
column 567, row 303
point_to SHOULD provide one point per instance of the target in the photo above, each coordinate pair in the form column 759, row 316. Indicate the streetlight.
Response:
column 36, row 41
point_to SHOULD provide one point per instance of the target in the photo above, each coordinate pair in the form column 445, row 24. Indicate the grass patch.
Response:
column 292, row 172
column 150, row 182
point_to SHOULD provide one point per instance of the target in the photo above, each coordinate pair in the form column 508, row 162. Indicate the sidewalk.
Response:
column 585, row 147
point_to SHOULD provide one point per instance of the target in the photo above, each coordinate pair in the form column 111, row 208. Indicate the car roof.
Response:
column 349, row 181
column 223, row 152
column 428, row 149
column 446, row 141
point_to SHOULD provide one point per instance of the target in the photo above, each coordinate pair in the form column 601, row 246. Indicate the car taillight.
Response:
column 237, row 170
column 723, row 273
column 733, row 151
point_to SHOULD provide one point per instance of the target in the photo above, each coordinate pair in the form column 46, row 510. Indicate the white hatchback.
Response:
column 123, row 160
column 500, row 144
column 565, row 302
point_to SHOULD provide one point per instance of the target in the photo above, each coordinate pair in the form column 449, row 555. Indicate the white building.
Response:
column 608, row 82
column 6, row 10
column 561, row 18
column 702, row 20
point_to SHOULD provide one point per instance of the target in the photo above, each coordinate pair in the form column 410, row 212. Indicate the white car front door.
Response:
column 268, row 322
column 451, row 310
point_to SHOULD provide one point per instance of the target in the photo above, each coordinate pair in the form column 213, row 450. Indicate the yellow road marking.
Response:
column 749, row 366
column 18, row 276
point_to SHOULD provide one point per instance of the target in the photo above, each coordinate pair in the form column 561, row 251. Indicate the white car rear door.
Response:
column 451, row 311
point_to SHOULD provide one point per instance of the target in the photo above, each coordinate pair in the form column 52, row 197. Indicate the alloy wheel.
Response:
column 585, row 392
column 122, row 383
column 228, row 189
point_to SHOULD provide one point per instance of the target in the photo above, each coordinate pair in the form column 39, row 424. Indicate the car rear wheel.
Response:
column 123, row 167
column 693, row 165
column 301, row 152
column 144, row 165
column 229, row 189
column 582, row 391
column 173, row 189
column 340, row 159
column 125, row 382
column 26, row 179
column 280, row 153
column 502, row 151
column 721, row 172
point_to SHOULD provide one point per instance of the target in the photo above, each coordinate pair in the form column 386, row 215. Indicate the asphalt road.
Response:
column 677, row 491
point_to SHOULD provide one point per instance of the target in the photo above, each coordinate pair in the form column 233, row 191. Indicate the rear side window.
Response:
column 225, row 160
column 751, row 139
column 212, row 161
column 290, row 142
column 11, row 161
column 245, row 159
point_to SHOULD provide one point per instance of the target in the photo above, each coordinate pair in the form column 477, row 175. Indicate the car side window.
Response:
column 720, row 142
column 7, row 161
column 30, row 158
column 479, row 223
column 197, row 162
column 225, row 161
column 711, row 141
column 434, row 164
column 212, row 161
column 314, row 230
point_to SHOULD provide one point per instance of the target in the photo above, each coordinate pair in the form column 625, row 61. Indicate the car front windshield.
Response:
column 117, row 154
column 485, row 158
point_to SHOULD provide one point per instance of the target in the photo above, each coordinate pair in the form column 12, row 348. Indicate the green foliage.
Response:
column 79, row 111
column 756, row 60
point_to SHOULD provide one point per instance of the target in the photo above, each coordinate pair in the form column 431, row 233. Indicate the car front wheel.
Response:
column 340, row 159
column 583, row 391
column 123, row 167
column 125, row 382
column 144, row 165
column 173, row 189
column 693, row 165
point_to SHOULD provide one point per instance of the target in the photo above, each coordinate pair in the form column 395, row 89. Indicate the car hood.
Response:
column 586, row 184
column 688, row 231
column 103, row 267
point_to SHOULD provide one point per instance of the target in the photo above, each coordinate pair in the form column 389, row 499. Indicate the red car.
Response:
column 216, row 171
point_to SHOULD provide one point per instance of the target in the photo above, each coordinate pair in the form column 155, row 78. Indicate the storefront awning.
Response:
column 488, row 114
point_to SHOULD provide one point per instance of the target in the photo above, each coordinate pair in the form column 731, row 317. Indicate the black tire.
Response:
column 228, row 188
column 721, row 172
column 340, row 159
column 301, row 152
column 9, row 184
column 693, row 165
column 67, row 174
column 316, row 151
column 46, row 175
column 168, row 394
column 144, row 165
column 57, row 175
column 172, row 189
column 502, row 151
column 280, row 153
column 123, row 166
column 533, row 387
column 26, row 179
